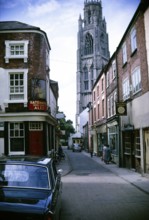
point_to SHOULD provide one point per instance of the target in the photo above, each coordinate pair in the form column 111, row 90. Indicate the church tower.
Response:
column 92, row 52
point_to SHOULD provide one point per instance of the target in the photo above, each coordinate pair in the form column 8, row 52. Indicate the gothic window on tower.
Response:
column 92, row 76
column 85, row 79
column 88, row 44
column 89, row 17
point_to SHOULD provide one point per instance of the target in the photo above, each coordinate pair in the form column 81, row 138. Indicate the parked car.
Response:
column 76, row 147
column 30, row 188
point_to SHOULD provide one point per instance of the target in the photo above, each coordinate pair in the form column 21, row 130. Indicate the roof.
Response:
column 16, row 25
column 25, row 159
column 19, row 26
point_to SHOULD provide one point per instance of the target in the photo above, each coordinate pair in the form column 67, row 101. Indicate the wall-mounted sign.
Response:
column 121, row 108
column 37, row 106
column 38, row 89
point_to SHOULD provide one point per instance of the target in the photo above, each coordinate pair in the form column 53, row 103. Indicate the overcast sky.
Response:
column 59, row 19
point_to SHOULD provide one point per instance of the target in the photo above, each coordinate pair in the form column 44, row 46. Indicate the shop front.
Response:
column 113, row 140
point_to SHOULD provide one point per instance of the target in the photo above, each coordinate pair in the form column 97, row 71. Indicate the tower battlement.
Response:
column 86, row 2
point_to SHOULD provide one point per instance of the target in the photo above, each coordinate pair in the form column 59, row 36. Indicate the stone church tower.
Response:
column 92, row 52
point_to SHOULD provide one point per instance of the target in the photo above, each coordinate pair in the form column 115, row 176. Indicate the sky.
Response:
column 59, row 19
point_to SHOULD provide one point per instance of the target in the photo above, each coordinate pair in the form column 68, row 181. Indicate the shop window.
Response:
column 127, row 143
column 137, row 145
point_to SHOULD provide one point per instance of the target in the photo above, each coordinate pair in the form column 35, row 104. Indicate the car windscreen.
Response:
column 28, row 176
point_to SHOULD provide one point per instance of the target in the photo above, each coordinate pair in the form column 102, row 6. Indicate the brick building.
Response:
column 133, row 84
column 27, row 114
column 127, row 96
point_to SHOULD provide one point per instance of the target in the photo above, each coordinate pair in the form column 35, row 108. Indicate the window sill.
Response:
column 6, row 102
column 124, row 65
column 133, row 53
column 16, row 57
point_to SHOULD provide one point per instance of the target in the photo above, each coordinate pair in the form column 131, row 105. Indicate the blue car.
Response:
column 30, row 188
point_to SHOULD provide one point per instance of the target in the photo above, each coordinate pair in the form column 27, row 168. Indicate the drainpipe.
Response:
column 119, row 118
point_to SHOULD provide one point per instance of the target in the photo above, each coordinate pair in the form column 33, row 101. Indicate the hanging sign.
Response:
column 121, row 108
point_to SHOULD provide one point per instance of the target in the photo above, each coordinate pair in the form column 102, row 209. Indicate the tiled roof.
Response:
column 16, row 25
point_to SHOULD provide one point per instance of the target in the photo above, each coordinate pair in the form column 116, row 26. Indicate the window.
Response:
column 35, row 126
column 98, row 109
column 112, row 106
column 102, row 85
column 88, row 45
column 109, row 107
column 16, row 50
column 16, row 135
column 108, row 79
column 133, row 40
column 124, row 51
column 94, row 96
column 16, row 86
column 126, row 89
column 92, row 75
column 89, row 16
column 115, row 99
column 103, row 108
column 98, row 91
column 136, row 80
column 113, row 69
column 86, row 87
column 94, row 113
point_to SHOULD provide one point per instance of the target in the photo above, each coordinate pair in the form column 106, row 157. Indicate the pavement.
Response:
column 134, row 178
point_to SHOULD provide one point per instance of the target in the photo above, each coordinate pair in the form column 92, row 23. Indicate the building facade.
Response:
column 28, row 101
column 127, row 96
column 98, row 111
column 92, row 53
column 133, row 84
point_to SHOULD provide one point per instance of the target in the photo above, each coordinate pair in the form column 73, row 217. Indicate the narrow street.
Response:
column 91, row 191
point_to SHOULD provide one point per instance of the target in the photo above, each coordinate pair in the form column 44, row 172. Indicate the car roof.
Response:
column 34, row 160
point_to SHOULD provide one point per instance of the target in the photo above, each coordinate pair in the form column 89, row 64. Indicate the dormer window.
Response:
column 16, row 50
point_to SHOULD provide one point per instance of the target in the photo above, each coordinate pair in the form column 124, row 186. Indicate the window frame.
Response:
column 124, row 53
column 25, row 78
column 114, row 71
column 136, row 80
column 9, row 44
column 13, row 135
column 133, row 36
column 35, row 126
column 126, row 88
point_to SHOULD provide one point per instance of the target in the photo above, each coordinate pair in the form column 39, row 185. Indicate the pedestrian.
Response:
column 106, row 154
column 91, row 151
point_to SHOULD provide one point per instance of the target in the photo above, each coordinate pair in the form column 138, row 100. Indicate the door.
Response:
column 36, row 143
column 147, row 151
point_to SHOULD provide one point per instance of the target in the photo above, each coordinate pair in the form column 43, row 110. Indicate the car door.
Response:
column 57, row 190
